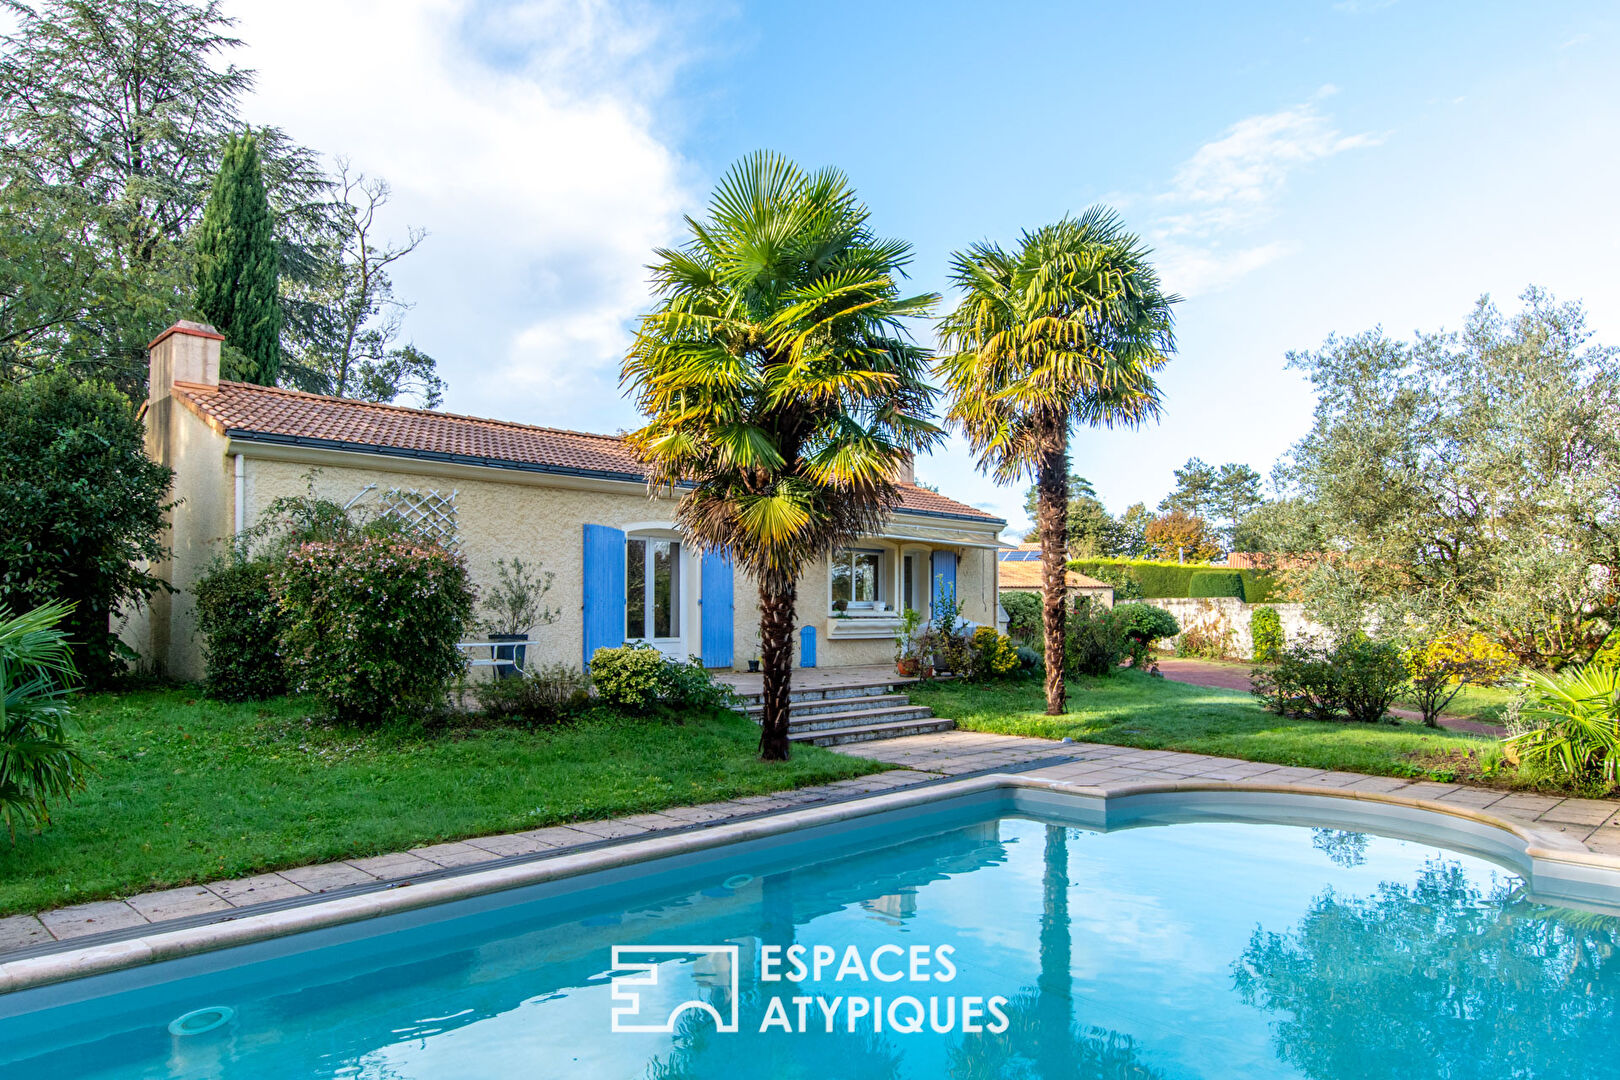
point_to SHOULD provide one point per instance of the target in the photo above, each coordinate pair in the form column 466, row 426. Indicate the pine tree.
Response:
column 238, row 265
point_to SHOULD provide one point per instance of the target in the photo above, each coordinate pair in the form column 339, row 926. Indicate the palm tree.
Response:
column 781, row 388
column 1068, row 328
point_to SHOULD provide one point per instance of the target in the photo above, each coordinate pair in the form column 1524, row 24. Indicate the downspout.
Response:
column 241, row 490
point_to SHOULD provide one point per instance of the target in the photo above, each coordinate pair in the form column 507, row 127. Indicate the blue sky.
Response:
column 1300, row 168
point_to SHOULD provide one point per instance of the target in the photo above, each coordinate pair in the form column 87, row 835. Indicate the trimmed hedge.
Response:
column 1208, row 583
column 1173, row 581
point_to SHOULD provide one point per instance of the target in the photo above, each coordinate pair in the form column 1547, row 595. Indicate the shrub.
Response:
column 1024, row 614
column 1440, row 669
column 238, row 619
column 82, row 510
column 1210, row 583
column 371, row 626
column 1371, row 675
column 1210, row 638
column 630, row 676
column 1266, row 632
column 1143, row 624
column 543, row 695
column 640, row 677
column 1096, row 640
column 1356, row 679
column 36, row 762
column 990, row 655
column 1029, row 659
column 1576, row 714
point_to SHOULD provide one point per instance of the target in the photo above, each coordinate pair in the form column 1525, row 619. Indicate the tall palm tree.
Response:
column 1067, row 328
column 781, row 388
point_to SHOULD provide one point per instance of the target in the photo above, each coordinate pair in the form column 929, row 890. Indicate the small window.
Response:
column 856, row 578
column 908, row 577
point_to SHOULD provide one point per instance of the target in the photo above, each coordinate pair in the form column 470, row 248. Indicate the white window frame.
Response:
column 881, row 578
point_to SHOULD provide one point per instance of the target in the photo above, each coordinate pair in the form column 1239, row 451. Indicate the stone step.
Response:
column 828, row 705
column 830, row 693
column 872, row 732
column 859, row 718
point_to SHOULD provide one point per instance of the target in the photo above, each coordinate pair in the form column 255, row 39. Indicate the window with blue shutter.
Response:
column 604, row 589
column 718, row 617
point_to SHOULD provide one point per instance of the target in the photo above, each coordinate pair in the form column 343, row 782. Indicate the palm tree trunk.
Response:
column 777, row 594
column 1052, row 520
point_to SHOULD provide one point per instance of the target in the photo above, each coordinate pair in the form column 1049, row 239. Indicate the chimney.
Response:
column 186, row 352
column 906, row 471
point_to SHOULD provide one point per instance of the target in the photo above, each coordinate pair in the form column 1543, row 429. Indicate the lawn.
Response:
column 189, row 790
column 1133, row 709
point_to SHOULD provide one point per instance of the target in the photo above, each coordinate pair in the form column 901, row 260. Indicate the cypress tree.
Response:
column 238, row 265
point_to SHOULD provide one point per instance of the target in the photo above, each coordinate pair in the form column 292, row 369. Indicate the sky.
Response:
column 1299, row 168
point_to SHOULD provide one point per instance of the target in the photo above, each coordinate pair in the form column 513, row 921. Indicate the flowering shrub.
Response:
column 1144, row 624
column 1440, row 669
column 990, row 655
column 370, row 626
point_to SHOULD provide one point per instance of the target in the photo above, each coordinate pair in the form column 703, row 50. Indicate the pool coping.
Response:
column 1538, row 846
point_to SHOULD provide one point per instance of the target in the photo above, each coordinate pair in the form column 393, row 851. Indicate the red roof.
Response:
column 271, row 414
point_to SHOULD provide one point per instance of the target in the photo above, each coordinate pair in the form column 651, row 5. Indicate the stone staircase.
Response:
column 847, row 714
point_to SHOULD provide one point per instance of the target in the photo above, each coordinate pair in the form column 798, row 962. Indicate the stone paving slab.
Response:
column 177, row 903
column 22, row 932
column 95, row 918
column 258, row 889
column 448, row 855
column 328, row 876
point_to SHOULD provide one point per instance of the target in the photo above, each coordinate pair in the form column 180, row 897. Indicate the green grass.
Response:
column 1133, row 709
column 189, row 790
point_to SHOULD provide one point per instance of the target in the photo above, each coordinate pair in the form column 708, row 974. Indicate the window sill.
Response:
column 876, row 624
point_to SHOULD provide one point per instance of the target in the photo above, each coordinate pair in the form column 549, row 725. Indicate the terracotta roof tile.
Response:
column 1027, row 575
column 271, row 413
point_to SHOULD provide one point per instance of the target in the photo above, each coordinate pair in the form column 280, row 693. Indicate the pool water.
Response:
column 1192, row 950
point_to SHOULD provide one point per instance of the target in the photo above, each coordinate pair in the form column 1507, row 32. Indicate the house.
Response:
column 568, row 502
column 1019, row 570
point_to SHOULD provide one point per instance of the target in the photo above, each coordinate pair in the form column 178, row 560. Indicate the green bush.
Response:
column 370, row 626
column 1215, row 583
column 543, row 695
column 81, row 510
column 1029, row 659
column 1143, row 624
column 1096, row 640
column 1156, row 580
column 640, row 677
column 1265, row 629
column 237, row 616
column 1357, row 679
column 1024, row 614
column 630, row 676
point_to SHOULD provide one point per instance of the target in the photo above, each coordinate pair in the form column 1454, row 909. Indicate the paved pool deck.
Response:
column 922, row 759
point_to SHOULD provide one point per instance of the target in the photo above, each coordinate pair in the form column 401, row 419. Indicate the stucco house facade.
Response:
column 571, row 503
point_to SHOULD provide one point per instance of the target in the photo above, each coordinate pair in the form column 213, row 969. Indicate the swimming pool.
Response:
column 1037, row 936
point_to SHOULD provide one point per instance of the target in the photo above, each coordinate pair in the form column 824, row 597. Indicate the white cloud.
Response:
column 524, row 139
column 1232, row 183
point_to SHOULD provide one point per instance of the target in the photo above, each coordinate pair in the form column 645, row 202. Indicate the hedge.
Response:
column 1169, row 580
column 1216, row 583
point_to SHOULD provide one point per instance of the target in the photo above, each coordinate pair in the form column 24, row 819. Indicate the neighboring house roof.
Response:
column 270, row 414
column 1027, row 575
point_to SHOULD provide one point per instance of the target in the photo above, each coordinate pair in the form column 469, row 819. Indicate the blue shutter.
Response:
column 944, row 575
column 604, row 589
column 807, row 646
column 717, row 609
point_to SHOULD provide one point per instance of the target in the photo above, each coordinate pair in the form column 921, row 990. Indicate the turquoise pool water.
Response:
column 1195, row 950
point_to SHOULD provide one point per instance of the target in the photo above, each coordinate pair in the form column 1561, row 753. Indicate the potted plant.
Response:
column 839, row 608
column 759, row 647
column 908, row 647
column 516, row 605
